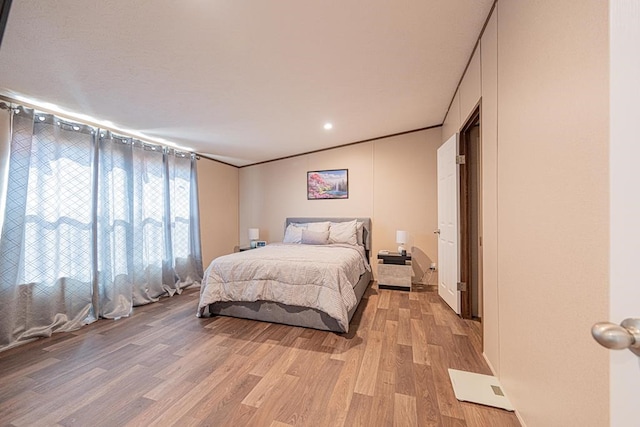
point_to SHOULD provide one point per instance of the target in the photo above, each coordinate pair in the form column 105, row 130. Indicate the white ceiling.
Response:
column 243, row 81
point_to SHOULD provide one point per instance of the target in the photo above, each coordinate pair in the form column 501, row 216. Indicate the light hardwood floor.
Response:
column 163, row 366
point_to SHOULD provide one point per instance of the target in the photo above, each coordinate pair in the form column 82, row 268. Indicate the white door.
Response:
column 448, row 198
column 624, row 152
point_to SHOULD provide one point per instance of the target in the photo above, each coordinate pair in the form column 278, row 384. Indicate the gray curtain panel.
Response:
column 45, row 246
column 94, row 225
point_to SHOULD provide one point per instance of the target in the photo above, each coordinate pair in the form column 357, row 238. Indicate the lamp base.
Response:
column 402, row 251
column 253, row 244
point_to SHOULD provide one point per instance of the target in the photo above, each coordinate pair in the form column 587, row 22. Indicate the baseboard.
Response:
column 495, row 374
column 486, row 359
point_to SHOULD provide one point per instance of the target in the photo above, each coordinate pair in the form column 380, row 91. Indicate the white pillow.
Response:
column 360, row 232
column 343, row 232
column 314, row 226
column 293, row 234
column 315, row 237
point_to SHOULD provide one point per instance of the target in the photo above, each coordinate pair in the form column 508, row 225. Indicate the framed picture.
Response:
column 328, row 184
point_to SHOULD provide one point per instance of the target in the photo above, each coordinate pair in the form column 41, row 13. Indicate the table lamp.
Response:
column 254, row 235
column 401, row 239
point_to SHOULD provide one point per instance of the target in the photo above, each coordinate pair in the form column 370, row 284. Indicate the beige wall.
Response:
column 553, row 208
column 405, row 194
column 544, row 87
column 392, row 180
column 218, row 200
column 451, row 122
column 489, row 129
column 470, row 87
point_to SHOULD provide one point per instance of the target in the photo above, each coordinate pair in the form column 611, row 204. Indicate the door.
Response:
column 624, row 150
column 448, row 205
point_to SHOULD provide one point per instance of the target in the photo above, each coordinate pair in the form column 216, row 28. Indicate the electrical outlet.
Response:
column 433, row 266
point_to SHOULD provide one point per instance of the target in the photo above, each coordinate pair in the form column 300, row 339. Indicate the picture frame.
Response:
column 328, row 184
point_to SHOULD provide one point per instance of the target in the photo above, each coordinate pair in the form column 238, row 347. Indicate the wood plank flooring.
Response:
column 163, row 366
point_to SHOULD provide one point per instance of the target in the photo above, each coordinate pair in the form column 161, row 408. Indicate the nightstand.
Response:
column 394, row 271
column 259, row 244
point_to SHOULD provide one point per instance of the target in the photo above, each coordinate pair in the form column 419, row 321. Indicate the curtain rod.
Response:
column 6, row 99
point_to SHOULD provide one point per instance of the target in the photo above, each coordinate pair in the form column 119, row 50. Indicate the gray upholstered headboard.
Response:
column 366, row 221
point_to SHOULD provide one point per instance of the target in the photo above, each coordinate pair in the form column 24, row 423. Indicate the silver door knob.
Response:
column 618, row 337
column 437, row 231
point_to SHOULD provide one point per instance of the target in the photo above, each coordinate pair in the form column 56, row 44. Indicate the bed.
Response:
column 301, row 282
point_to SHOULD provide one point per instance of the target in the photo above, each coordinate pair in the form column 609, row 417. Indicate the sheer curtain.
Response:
column 94, row 224
column 148, row 239
column 45, row 246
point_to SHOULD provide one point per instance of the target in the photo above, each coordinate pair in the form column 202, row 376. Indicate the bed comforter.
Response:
column 319, row 277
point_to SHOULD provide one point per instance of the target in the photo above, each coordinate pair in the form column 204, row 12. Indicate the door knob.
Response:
column 437, row 231
column 618, row 337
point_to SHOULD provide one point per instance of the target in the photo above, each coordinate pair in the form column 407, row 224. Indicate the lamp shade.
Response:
column 401, row 236
column 254, row 233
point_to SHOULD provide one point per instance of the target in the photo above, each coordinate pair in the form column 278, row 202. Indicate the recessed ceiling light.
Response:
column 328, row 126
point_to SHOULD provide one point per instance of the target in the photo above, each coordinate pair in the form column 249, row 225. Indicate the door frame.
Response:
column 466, row 307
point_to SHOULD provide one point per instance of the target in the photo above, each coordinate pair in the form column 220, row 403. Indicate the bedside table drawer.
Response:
column 395, row 275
